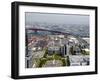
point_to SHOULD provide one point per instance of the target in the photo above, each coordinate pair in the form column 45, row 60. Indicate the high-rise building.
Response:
column 63, row 50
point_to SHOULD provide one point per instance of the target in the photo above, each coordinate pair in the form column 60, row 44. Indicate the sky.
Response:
column 31, row 17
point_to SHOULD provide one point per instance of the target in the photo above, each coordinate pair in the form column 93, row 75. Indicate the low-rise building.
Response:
column 78, row 60
column 53, row 50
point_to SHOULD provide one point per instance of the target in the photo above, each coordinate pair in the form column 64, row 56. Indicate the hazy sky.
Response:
column 56, row 18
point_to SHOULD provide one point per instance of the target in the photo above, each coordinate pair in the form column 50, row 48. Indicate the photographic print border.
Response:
column 15, row 39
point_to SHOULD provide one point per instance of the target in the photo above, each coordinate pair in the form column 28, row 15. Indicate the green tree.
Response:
column 42, row 62
column 85, row 52
column 63, row 62
column 45, row 54
column 68, row 62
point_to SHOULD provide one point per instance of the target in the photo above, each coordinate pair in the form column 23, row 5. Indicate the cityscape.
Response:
column 50, row 43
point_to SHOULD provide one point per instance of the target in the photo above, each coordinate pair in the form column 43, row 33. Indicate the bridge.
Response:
column 59, row 32
column 35, row 29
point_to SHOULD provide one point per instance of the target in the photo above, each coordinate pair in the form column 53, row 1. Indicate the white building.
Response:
column 78, row 60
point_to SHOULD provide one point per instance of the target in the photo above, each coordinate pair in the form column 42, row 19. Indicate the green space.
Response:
column 85, row 52
column 40, row 62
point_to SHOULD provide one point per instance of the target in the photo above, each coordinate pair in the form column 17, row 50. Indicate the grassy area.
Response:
column 43, row 60
column 58, row 57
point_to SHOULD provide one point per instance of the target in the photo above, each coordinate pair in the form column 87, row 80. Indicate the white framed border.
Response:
column 39, row 71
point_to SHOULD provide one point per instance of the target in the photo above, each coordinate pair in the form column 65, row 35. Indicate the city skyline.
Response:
column 56, row 40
